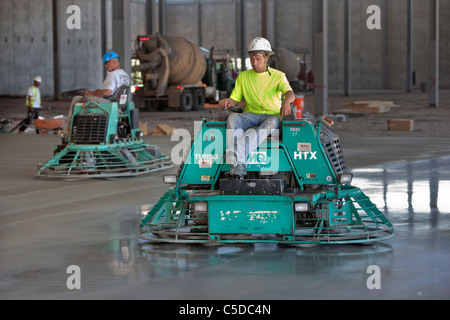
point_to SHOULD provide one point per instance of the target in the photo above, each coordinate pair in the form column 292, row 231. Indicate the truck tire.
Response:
column 186, row 100
column 199, row 99
column 150, row 105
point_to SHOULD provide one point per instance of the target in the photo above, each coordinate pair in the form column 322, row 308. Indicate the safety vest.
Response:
column 33, row 98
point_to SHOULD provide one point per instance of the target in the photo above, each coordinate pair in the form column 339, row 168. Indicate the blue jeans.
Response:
column 243, row 138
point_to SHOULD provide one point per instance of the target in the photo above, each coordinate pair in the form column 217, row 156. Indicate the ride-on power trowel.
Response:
column 297, row 191
column 104, row 141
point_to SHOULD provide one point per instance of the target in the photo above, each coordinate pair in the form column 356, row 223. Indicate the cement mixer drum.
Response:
column 285, row 61
column 188, row 65
column 186, row 60
column 172, row 69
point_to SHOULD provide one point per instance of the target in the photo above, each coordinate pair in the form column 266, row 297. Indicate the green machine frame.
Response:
column 104, row 141
column 297, row 191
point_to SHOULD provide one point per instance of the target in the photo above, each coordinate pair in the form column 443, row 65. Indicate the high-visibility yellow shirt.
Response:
column 35, row 95
column 262, row 92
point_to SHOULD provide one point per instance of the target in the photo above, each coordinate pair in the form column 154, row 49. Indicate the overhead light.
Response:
column 170, row 178
column 345, row 177
column 301, row 206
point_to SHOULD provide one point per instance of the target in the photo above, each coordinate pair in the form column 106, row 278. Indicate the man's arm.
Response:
column 30, row 106
column 227, row 103
column 289, row 98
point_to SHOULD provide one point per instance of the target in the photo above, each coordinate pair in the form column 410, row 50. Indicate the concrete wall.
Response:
column 26, row 46
column 444, row 44
column 80, row 51
column 138, row 20
column 378, row 56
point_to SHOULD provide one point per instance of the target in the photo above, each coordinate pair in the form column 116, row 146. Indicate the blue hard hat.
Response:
column 110, row 55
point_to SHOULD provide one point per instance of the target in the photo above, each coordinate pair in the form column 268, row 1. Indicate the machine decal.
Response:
column 263, row 216
column 205, row 163
column 305, row 155
column 205, row 178
column 206, row 156
column 257, row 158
column 303, row 146
column 123, row 99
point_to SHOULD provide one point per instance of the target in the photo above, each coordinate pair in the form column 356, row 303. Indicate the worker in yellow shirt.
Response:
column 33, row 103
column 268, row 97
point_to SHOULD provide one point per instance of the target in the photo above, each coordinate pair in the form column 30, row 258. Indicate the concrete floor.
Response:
column 47, row 226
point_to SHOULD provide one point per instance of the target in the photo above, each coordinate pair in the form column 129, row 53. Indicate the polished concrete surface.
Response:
column 47, row 226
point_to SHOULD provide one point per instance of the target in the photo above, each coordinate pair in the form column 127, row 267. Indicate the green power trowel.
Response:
column 104, row 142
column 297, row 191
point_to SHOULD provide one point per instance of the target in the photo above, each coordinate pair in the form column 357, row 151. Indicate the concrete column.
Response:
column 121, row 34
column 243, row 36
column 347, row 49
column 384, row 42
column 264, row 18
column 162, row 16
column 56, row 77
column 320, row 14
column 409, row 46
column 105, row 30
column 433, row 55
column 270, row 20
column 235, row 30
column 149, row 10
column 199, row 22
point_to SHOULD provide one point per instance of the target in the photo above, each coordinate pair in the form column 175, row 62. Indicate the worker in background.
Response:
column 33, row 103
column 268, row 97
column 114, row 80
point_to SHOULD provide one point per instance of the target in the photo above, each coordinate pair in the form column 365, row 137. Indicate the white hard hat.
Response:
column 260, row 44
column 38, row 79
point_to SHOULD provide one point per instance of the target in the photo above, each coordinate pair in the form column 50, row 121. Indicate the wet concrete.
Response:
column 47, row 226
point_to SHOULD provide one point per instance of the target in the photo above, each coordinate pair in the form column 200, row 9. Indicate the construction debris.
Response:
column 162, row 129
column 50, row 125
column 5, row 125
column 369, row 106
column 337, row 117
column 143, row 127
column 400, row 125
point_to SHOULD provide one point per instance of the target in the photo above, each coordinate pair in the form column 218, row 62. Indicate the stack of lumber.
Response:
column 369, row 106
column 401, row 125
column 162, row 129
